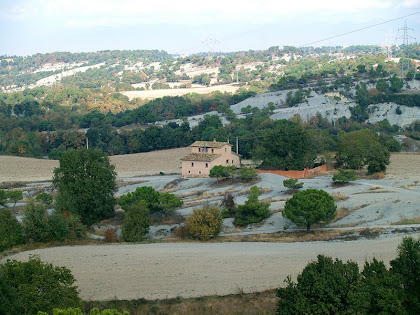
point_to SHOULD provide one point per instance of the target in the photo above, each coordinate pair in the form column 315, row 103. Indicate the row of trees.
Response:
column 328, row 286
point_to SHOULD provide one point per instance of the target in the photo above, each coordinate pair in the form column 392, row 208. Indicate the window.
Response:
column 199, row 172
column 207, row 164
column 192, row 164
column 189, row 172
column 227, row 161
column 232, row 161
column 225, row 149
column 199, row 149
column 212, row 150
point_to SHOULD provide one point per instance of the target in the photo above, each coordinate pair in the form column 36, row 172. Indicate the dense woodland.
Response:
column 46, row 121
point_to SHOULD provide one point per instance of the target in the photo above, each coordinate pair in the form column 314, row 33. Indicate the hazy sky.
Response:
column 185, row 26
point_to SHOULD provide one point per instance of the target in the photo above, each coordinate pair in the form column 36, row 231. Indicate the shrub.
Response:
column 205, row 222
column 110, row 235
column 45, row 198
column 247, row 174
column 252, row 211
column 344, row 176
column 292, row 184
column 228, row 205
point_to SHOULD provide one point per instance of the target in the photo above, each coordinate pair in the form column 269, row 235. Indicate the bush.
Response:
column 228, row 205
column 34, row 286
column 292, row 184
column 136, row 222
column 344, row 176
column 78, row 311
column 205, row 222
column 252, row 211
column 247, row 174
column 110, row 236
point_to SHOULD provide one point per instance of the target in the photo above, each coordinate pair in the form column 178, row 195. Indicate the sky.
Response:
column 28, row 27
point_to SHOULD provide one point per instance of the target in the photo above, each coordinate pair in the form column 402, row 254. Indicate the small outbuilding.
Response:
column 205, row 155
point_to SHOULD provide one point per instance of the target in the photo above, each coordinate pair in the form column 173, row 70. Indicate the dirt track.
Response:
column 157, row 271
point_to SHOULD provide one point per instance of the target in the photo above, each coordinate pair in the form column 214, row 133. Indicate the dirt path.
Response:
column 157, row 271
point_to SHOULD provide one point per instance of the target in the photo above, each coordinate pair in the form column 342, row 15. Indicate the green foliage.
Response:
column 362, row 148
column 86, row 185
column 45, row 198
column 292, row 184
column 247, row 174
column 3, row 198
column 78, row 311
column 205, row 222
column 36, row 286
column 220, row 171
column 35, row 223
column 38, row 226
column 309, row 207
column 10, row 230
column 407, row 265
column 322, row 288
column 228, row 205
column 14, row 196
column 253, row 211
column 285, row 147
column 155, row 201
column 334, row 287
column 378, row 291
column 136, row 222
column 344, row 176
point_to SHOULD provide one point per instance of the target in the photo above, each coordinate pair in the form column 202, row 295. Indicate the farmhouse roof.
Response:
column 200, row 157
column 209, row 144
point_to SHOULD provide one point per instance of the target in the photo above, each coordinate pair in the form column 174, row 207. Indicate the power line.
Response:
column 360, row 29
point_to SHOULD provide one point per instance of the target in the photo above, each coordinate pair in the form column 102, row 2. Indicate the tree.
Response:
column 407, row 265
column 378, row 291
column 362, row 148
column 247, row 174
column 3, row 198
column 322, row 288
column 253, row 211
column 292, row 184
column 86, row 185
column 35, row 223
column 344, row 176
column 45, row 198
column 38, row 286
column 10, row 230
column 136, row 222
column 14, row 196
column 220, row 171
column 228, row 205
column 286, row 147
column 310, row 206
column 205, row 222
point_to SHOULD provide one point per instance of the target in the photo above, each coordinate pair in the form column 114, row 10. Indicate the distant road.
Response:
column 158, row 271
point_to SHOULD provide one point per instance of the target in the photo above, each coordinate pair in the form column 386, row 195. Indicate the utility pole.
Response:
column 87, row 142
column 237, row 148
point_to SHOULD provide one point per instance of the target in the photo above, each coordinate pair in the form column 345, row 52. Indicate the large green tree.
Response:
column 85, row 181
column 361, row 148
column 34, row 286
column 287, row 147
column 322, row 288
column 253, row 211
column 310, row 206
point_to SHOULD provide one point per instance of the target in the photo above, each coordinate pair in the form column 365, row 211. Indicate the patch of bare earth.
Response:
column 404, row 165
column 14, row 168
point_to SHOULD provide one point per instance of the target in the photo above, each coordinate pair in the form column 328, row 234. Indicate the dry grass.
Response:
column 339, row 196
column 408, row 187
column 241, row 303
column 341, row 213
column 406, row 221
column 375, row 187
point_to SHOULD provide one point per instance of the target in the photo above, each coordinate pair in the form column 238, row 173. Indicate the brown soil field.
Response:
column 168, row 270
column 13, row 168
column 404, row 165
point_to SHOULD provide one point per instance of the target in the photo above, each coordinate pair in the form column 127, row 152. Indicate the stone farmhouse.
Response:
column 205, row 155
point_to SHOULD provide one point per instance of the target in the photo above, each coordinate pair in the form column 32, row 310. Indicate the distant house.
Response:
column 205, row 155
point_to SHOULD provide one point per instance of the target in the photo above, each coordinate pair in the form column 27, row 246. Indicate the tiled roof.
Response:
column 200, row 157
column 209, row 144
